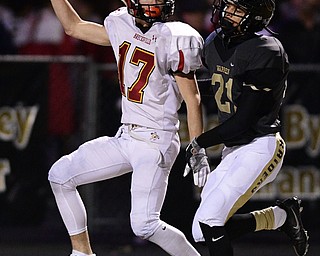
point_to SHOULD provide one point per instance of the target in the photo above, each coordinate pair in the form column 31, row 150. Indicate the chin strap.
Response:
column 271, row 31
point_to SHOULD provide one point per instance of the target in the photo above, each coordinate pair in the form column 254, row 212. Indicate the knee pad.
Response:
column 142, row 226
column 214, row 210
column 58, row 172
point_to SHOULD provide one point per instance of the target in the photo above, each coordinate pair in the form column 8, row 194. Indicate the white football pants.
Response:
column 149, row 154
column 242, row 171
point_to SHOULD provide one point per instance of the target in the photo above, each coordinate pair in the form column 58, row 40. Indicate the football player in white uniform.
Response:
column 156, row 62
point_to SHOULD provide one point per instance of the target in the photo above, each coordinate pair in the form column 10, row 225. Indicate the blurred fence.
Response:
column 49, row 105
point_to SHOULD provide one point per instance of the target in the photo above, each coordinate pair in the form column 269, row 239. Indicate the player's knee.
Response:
column 197, row 232
column 142, row 226
column 57, row 172
column 58, row 188
column 212, row 218
column 59, row 183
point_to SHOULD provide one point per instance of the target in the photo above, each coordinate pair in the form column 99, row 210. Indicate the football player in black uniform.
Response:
column 248, row 74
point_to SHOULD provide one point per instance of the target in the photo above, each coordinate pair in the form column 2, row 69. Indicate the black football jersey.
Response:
column 258, row 65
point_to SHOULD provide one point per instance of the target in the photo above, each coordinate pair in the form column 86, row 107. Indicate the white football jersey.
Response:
column 150, row 96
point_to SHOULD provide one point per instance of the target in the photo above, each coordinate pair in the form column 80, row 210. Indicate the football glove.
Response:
column 197, row 161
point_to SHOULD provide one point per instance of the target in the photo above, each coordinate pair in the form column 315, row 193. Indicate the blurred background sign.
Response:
column 23, row 122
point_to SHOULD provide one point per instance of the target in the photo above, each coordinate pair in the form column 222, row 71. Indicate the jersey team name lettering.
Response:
column 223, row 69
column 142, row 38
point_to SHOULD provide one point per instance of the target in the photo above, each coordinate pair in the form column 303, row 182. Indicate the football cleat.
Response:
column 293, row 226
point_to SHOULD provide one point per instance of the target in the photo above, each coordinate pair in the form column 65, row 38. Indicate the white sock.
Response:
column 280, row 216
column 77, row 253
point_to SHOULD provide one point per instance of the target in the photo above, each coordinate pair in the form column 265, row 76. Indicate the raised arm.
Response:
column 76, row 27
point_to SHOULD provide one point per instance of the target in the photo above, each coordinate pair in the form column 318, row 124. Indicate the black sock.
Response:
column 217, row 240
column 240, row 224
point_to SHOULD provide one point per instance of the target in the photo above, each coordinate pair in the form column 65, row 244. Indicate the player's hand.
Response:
column 197, row 161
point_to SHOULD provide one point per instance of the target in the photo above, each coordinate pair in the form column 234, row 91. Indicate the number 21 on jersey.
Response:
column 139, row 57
column 223, row 94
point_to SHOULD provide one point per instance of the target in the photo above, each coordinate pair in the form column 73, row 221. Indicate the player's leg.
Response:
column 82, row 244
column 266, row 219
column 94, row 161
column 285, row 216
column 148, row 189
column 241, row 224
column 214, row 236
column 240, row 174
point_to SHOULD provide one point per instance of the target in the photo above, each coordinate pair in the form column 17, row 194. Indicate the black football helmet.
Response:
column 158, row 12
column 257, row 17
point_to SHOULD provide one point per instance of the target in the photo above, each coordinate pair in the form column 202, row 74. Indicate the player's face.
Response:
column 152, row 9
column 234, row 14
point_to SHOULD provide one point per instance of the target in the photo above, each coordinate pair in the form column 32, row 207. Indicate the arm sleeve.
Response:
column 239, row 123
column 264, row 78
